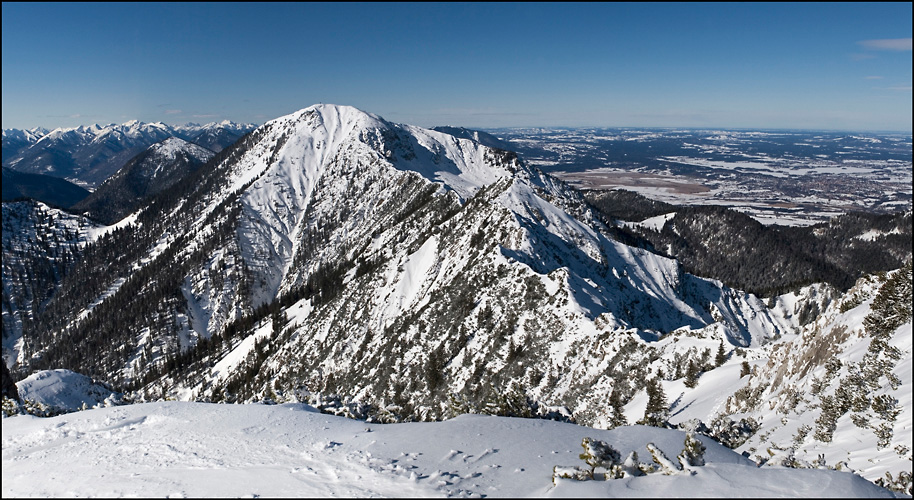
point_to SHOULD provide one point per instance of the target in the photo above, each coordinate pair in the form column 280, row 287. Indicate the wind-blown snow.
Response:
column 208, row 450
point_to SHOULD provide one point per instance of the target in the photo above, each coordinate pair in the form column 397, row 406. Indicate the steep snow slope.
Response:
column 206, row 450
column 843, row 389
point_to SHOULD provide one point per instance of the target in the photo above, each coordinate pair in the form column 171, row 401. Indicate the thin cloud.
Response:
column 862, row 57
column 896, row 44
column 900, row 88
column 172, row 111
column 874, row 78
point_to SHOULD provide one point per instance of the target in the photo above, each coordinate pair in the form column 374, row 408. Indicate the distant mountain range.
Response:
column 88, row 155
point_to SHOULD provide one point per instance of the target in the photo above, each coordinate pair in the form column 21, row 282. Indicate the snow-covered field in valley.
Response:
column 212, row 450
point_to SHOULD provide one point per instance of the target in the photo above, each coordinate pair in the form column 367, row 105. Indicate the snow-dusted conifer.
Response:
column 616, row 410
column 691, row 378
column 632, row 466
column 657, row 411
column 721, row 357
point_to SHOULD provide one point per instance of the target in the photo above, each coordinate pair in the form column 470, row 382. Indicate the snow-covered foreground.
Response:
column 198, row 449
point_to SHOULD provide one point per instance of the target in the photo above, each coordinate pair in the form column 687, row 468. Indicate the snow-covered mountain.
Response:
column 15, row 139
column 397, row 273
column 411, row 264
column 214, row 136
column 88, row 155
column 154, row 170
column 484, row 138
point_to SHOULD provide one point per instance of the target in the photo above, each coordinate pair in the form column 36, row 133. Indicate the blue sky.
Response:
column 782, row 65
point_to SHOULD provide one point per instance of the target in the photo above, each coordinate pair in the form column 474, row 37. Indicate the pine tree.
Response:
column 692, row 373
column 616, row 409
column 721, row 355
column 657, row 411
column 744, row 369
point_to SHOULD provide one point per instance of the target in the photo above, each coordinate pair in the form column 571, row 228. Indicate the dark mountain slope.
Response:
column 50, row 190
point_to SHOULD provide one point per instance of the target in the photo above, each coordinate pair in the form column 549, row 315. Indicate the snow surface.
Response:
column 198, row 449
column 63, row 389
column 653, row 223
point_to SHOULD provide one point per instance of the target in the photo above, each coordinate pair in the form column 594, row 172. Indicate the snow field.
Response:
column 198, row 449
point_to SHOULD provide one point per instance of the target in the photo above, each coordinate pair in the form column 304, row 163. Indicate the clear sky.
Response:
column 838, row 66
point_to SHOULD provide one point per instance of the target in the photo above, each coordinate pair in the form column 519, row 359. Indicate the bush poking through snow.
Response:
column 693, row 455
column 667, row 467
column 634, row 467
column 900, row 484
column 571, row 472
column 599, row 454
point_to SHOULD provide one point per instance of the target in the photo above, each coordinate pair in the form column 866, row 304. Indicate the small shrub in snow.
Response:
column 693, row 454
column 733, row 434
column 12, row 407
column 599, row 453
column 780, row 457
column 571, row 472
column 631, row 466
column 860, row 420
column 667, row 467
column 884, row 433
column 827, row 421
column 900, row 484
column 801, row 434
column 886, row 407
